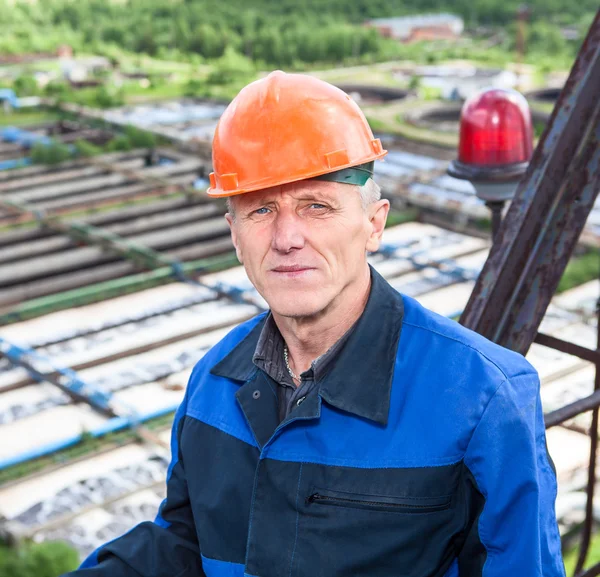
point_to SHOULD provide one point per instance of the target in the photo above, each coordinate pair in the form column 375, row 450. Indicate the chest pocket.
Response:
column 390, row 504
column 379, row 522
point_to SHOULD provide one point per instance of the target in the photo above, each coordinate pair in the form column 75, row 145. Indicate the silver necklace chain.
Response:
column 287, row 363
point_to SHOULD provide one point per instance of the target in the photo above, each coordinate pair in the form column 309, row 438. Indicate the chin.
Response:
column 301, row 305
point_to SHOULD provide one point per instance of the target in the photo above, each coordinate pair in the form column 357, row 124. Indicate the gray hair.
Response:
column 370, row 192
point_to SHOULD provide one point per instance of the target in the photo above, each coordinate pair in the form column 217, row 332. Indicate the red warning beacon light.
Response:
column 496, row 143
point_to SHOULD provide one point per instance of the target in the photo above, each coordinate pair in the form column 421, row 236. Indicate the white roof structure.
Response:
column 162, row 332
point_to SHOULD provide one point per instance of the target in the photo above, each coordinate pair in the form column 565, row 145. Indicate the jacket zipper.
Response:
column 323, row 499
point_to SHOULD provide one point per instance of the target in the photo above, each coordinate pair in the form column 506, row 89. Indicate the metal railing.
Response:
column 537, row 239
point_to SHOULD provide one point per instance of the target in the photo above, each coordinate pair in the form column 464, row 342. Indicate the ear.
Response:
column 234, row 236
column 378, row 212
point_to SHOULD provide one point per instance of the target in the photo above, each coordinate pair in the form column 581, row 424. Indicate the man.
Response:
column 349, row 431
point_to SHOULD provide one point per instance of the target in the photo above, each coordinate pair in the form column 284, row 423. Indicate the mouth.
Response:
column 291, row 270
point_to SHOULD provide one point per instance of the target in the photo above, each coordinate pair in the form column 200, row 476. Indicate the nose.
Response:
column 287, row 232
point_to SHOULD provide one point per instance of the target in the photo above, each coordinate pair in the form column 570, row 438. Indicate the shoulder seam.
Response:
column 492, row 397
column 487, row 405
column 481, row 353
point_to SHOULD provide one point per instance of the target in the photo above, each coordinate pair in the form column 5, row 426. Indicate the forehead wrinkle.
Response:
column 331, row 192
column 257, row 197
column 301, row 190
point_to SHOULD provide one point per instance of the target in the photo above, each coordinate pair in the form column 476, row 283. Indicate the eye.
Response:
column 317, row 206
column 262, row 210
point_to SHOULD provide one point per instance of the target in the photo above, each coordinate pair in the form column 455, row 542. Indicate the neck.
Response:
column 308, row 338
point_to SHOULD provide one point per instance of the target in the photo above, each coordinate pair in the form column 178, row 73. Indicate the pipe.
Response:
column 108, row 289
column 15, row 163
column 111, row 426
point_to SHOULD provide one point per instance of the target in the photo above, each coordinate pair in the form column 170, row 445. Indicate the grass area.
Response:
column 42, row 65
column 581, row 269
column 131, row 62
column 546, row 107
column 226, row 91
column 46, row 559
column 383, row 73
column 24, row 117
column 98, row 210
column 83, row 96
column 484, row 224
column 424, row 135
column 125, row 204
column 114, row 288
column 390, row 118
column 135, row 94
column 19, row 226
column 361, row 75
column 87, row 445
column 376, row 124
column 396, row 217
column 593, row 557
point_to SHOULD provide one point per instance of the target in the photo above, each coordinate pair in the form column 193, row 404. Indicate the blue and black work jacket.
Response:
column 421, row 453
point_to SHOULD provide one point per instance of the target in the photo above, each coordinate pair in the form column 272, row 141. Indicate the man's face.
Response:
column 304, row 244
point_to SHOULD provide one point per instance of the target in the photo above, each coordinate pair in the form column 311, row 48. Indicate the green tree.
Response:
column 59, row 90
column 119, row 144
column 26, row 85
column 414, row 82
column 114, row 33
column 270, row 32
column 106, row 97
column 194, row 88
column 230, row 67
column 207, row 42
column 547, row 39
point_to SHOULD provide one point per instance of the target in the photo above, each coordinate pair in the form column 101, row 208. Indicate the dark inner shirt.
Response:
column 268, row 357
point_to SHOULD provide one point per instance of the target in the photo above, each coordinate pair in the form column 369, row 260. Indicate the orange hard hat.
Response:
column 285, row 128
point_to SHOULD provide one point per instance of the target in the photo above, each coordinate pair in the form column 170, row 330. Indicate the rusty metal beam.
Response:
column 548, row 213
column 563, row 346
column 588, row 525
column 569, row 411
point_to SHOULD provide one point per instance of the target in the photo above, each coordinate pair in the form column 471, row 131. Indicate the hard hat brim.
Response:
column 320, row 175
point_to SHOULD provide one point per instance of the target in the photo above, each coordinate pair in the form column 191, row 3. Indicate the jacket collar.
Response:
column 360, row 379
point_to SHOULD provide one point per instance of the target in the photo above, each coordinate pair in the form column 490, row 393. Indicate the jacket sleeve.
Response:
column 515, row 530
column 167, row 547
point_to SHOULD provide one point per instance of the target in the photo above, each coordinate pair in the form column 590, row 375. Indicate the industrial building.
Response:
column 420, row 28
